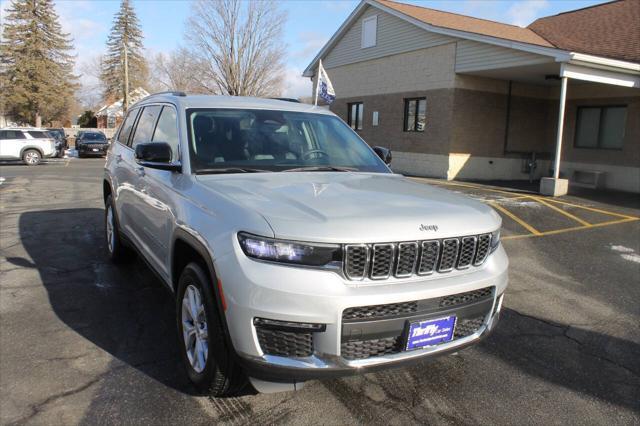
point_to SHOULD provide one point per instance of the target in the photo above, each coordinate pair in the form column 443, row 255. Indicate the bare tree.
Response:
column 179, row 70
column 239, row 43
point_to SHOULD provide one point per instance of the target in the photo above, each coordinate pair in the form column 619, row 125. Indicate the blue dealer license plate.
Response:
column 430, row 332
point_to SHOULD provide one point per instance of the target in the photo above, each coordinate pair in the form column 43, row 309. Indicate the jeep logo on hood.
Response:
column 424, row 227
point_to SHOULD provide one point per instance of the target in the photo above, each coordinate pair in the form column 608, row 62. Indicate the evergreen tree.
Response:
column 125, row 33
column 36, row 68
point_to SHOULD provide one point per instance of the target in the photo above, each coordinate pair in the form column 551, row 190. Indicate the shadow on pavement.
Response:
column 128, row 313
column 124, row 310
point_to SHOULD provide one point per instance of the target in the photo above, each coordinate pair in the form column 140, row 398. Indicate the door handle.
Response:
column 140, row 171
column 118, row 158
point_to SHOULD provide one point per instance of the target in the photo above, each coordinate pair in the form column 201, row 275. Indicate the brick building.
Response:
column 461, row 97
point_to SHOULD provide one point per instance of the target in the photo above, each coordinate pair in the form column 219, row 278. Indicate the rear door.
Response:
column 11, row 143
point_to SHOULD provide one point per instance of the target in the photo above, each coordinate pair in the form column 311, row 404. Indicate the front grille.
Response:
column 380, row 311
column 375, row 312
column 404, row 259
column 285, row 343
column 465, row 298
column 466, row 327
column 362, row 349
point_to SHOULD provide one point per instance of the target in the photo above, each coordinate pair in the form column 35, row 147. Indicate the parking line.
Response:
column 572, row 229
column 524, row 224
column 559, row 210
column 593, row 209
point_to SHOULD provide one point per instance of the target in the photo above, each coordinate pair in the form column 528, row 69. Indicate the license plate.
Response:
column 430, row 332
column 95, row 150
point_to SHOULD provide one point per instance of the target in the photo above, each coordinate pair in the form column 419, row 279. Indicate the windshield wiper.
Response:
column 322, row 169
column 223, row 170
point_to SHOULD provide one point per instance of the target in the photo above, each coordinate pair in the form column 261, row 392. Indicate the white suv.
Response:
column 27, row 144
column 293, row 251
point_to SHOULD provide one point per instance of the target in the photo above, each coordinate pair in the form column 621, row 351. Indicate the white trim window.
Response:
column 369, row 31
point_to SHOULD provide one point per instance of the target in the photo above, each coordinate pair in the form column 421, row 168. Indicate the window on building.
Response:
column 415, row 114
column 600, row 127
column 356, row 111
column 369, row 31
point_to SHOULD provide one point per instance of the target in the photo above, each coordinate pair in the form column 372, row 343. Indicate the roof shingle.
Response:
column 611, row 30
column 469, row 24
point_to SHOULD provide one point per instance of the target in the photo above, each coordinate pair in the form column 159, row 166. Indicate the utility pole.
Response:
column 125, row 100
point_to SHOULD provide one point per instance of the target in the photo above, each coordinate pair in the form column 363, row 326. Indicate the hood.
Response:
column 344, row 207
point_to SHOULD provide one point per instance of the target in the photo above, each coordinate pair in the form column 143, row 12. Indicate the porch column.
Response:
column 555, row 186
column 563, row 100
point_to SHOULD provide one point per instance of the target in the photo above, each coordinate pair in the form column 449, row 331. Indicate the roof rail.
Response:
column 286, row 100
column 170, row 92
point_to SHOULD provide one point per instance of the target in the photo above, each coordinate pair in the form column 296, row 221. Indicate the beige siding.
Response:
column 394, row 36
column 473, row 56
column 424, row 69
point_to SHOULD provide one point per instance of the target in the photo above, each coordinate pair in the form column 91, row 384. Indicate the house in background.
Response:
column 459, row 97
column 110, row 116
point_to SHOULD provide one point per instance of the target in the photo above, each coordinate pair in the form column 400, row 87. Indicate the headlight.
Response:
column 495, row 240
column 294, row 252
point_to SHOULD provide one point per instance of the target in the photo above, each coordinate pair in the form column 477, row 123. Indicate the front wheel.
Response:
column 117, row 252
column 31, row 157
column 209, row 361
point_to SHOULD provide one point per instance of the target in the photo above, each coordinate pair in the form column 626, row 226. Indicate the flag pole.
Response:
column 318, row 82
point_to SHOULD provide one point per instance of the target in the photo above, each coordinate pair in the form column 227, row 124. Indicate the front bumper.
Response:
column 254, row 289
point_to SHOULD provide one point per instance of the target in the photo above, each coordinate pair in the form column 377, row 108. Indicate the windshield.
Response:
column 262, row 140
column 93, row 137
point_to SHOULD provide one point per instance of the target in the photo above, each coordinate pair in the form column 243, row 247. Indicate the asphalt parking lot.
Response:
column 82, row 341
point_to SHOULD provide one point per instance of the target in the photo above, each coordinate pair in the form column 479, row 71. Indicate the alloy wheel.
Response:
column 31, row 157
column 194, row 328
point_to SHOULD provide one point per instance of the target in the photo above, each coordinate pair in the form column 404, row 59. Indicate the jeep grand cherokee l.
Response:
column 293, row 251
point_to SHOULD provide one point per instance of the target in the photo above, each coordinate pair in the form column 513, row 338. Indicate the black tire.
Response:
column 31, row 157
column 116, row 250
column 221, row 376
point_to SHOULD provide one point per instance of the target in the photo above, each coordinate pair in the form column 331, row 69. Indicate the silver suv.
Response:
column 293, row 252
column 27, row 144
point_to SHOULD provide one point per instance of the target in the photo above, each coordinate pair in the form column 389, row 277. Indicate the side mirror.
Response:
column 156, row 155
column 383, row 153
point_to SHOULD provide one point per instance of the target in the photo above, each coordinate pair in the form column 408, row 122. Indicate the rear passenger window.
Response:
column 11, row 134
column 125, row 130
column 167, row 130
column 38, row 135
column 146, row 125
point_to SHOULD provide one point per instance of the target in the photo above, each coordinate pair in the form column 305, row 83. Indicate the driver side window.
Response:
column 167, row 131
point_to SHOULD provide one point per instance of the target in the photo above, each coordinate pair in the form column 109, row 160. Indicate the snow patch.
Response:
column 631, row 257
column 70, row 153
column 622, row 249
column 626, row 253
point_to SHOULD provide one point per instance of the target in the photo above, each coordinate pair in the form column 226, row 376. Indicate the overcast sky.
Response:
column 310, row 24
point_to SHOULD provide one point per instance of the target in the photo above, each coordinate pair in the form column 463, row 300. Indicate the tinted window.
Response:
column 146, row 125
column 167, row 130
column 38, row 135
column 11, row 134
column 127, row 125
column 275, row 140
column 94, row 136
column 601, row 127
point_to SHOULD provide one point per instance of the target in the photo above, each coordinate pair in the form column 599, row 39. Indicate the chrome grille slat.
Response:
column 382, row 261
column 408, row 258
column 449, row 255
column 467, row 252
column 429, row 257
column 356, row 261
column 484, row 246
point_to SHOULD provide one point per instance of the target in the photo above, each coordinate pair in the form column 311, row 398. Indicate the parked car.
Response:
column 61, row 141
column 92, row 144
column 291, row 248
column 29, row 145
